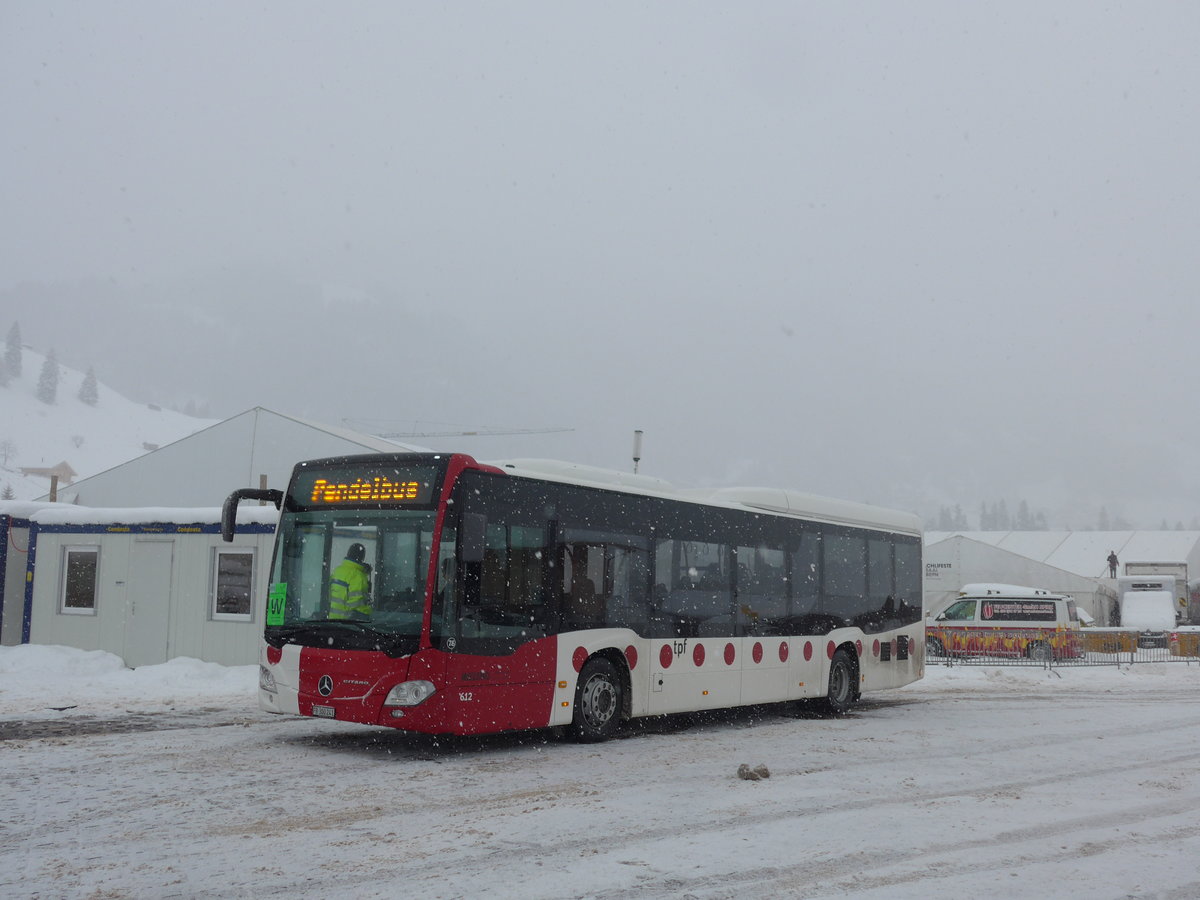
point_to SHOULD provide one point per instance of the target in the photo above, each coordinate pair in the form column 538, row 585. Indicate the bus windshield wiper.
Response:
column 387, row 642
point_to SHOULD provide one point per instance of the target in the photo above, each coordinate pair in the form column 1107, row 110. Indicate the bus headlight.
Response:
column 266, row 681
column 409, row 693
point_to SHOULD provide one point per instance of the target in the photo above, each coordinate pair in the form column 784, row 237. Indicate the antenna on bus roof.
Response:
column 637, row 449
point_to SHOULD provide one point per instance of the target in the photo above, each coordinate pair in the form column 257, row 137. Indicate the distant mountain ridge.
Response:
column 88, row 439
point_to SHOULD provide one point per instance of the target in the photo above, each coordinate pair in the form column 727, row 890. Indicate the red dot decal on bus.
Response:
column 756, row 653
column 698, row 654
column 875, row 648
column 730, row 654
column 631, row 657
column 807, row 650
column 665, row 656
column 579, row 658
column 858, row 647
column 783, row 651
column 274, row 654
column 829, row 650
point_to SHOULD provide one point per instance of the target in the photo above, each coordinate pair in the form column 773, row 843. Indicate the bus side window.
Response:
column 761, row 590
column 631, row 584
column 584, row 605
column 699, row 590
column 805, row 580
column 445, row 596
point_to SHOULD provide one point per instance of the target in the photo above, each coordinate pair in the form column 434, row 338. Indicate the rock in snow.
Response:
column 748, row 774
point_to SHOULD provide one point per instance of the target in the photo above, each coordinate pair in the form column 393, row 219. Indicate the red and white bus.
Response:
column 533, row 594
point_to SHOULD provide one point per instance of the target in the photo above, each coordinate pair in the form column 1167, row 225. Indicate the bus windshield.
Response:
column 351, row 572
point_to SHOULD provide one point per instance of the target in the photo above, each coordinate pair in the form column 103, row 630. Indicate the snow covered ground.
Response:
column 89, row 438
column 166, row 781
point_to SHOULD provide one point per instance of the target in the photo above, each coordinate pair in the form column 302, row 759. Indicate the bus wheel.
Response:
column 598, row 702
column 843, row 675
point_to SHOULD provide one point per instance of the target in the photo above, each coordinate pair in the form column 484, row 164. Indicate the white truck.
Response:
column 1149, row 606
column 1175, row 571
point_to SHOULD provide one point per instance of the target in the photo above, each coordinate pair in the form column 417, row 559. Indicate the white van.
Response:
column 1006, row 620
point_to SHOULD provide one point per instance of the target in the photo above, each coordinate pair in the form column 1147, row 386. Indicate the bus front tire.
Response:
column 843, row 678
column 598, row 702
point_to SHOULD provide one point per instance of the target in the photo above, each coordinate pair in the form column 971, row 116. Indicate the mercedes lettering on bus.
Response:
column 433, row 593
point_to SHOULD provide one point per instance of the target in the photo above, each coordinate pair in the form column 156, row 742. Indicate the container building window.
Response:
column 81, row 569
column 233, row 585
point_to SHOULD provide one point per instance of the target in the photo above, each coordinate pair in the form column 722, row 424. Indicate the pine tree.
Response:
column 47, row 388
column 88, row 392
column 12, row 351
column 960, row 519
column 1002, row 521
column 9, row 493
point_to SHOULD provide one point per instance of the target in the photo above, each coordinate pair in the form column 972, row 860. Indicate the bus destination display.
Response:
column 352, row 487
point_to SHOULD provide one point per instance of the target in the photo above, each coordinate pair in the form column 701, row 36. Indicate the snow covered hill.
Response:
column 89, row 439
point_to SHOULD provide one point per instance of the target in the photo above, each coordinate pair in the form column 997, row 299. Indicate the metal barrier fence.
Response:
column 1094, row 647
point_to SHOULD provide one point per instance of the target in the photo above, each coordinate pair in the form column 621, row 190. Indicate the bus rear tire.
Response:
column 843, row 684
column 599, row 701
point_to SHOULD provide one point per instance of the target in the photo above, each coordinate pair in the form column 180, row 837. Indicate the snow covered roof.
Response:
column 1084, row 552
column 22, row 509
column 67, row 514
column 768, row 499
column 992, row 588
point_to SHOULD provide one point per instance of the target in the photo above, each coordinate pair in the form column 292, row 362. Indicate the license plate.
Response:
column 325, row 712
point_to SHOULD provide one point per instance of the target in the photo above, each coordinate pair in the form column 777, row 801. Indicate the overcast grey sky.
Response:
column 904, row 252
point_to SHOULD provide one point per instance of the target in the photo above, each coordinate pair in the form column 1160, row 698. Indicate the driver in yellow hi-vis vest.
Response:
column 350, row 586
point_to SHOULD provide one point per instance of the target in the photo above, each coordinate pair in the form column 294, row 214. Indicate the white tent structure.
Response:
column 253, row 449
column 952, row 562
column 1069, row 562
column 1086, row 552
